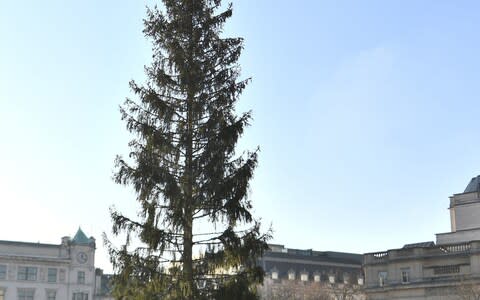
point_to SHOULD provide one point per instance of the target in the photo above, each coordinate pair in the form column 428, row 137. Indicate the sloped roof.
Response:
column 80, row 238
column 473, row 185
column 419, row 245
column 310, row 261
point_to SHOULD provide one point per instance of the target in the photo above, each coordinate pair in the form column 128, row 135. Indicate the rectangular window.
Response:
column 360, row 281
column 405, row 275
column 27, row 273
column 274, row 275
column 51, row 295
column 81, row 277
column 52, row 275
column 3, row 272
column 80, row 296
column 439, row 270
column 382, row 278
column 331, row 279
column 291, row 275
column 25, row 294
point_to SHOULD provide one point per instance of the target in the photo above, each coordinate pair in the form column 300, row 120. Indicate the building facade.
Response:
column 31, row 271
column 311, row 275
column 446, row 269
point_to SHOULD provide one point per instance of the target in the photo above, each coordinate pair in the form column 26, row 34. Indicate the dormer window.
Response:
column 331, row 278
column 316, row 277
column 291, row 275
column 360, row 281
column 275, row 275
column 304, row 276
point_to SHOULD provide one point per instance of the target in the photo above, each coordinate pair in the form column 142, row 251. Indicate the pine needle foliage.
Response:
column 183, row 166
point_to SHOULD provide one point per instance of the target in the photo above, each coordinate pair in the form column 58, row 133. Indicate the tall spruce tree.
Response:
column 183, row 166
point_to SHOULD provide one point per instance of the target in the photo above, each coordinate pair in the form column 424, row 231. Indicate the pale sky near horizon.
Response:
column 366, row 113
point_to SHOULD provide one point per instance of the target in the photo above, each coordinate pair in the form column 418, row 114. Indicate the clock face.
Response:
column 82, row 257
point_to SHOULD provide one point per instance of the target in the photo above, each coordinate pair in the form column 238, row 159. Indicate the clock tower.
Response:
column 82, row 267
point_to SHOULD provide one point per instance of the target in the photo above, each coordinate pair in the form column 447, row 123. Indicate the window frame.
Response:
column 3, row 271
column 25, row 294
column 303, row 276
column 51, row 294
column 80, row 296
column 30, row 273
column 51, row 275
column 274, row 275
column 81, row 279
column 382, row 278
column 291, row 275
column 331, row 279
column 405, row 275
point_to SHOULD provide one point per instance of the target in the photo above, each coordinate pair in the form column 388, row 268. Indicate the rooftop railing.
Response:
column 438, row 250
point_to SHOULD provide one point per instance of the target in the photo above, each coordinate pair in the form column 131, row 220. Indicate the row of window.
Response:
column 28, row 273
column 440, row 270
column 405, row 276
column 29, row 294
column 291, row 276
column 405, row 273
column 316, row 277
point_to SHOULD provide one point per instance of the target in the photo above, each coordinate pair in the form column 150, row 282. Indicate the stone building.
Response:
column 103, row 285
column 447, row 269
column 30, row 271
column 309, row 274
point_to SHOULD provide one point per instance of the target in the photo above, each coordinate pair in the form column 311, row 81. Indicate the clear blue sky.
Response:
column 366, row 112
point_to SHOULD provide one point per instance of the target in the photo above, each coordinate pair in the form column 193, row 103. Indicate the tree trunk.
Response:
column 188, row 204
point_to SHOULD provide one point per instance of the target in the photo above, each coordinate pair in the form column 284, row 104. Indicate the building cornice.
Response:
column 310, row 262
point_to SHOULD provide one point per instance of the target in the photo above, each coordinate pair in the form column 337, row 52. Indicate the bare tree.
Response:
column 468, row 290
column 345, row 291
column 297, row 290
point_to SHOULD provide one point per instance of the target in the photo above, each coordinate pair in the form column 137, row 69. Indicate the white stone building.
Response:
column 297, row 274
column 31, row 271
column 447, row 269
